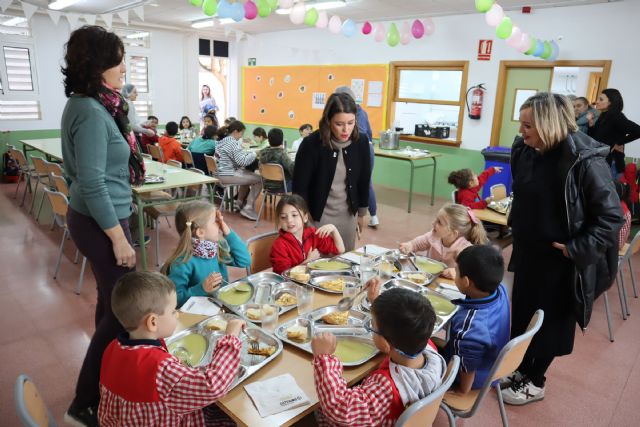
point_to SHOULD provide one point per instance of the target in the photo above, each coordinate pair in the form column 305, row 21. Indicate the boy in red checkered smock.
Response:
column 141, row 384
column 402, row 323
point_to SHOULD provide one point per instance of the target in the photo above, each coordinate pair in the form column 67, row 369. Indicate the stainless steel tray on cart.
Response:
column 249, row 363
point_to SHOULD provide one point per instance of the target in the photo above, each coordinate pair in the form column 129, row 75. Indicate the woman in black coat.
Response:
column 332, row 170
column 565, row 219
column 612, row 128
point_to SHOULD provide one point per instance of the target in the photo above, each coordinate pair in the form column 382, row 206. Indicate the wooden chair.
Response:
column 273, row 172
column 227, row 197
column 40, row 173
column 60, row 205
column 174, row 163
column 260, row 250
column 60, row 184
column 156, row 153
column 187, row 158
column 424, row 411
column 30, row 407
column 624, row 256
column 454, row 193
column 146, row 156
column 26, row 170
column 498, row 192
column 510, row 357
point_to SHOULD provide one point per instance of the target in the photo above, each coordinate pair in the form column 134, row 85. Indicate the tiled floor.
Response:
column 45, row 328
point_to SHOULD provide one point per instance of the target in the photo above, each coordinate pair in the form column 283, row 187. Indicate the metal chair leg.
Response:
column 24, row 192
column 158, row 243
column 264, row 199
column 75, row 259
column 624, row 294
column 34, row 195
column 503, row 411
column 633, row 279
column 64, row 237
column 623, row 308
column 40, row 206
column 608, row 312
column 450, row 417
column 81, row 278
column 20, row 175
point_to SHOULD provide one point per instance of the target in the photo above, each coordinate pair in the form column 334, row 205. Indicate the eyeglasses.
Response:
column 368, row 326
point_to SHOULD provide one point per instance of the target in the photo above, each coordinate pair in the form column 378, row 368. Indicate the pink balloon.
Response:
column 323, row 19
column 494, row 15
column 367, row 28
column 525, row 43
column 429, row 26
column 515, row 39
column 335, row 24
column 380, row 32
column 417, row 29
column 286, row 4
column 250, row 10
column 405, row 33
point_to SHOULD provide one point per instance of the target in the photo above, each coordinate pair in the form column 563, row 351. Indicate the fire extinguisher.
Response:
column 477, row 93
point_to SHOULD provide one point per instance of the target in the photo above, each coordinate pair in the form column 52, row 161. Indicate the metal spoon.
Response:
column 346, row 303
column 412, row 256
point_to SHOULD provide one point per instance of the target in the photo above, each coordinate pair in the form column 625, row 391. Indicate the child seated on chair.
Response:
column 305, row 130
column 298, row 242
column 481, row 327
column 401, row 322
column 205, row 144
column 171, row 148
column 145, row 140
column 468, row 186
column 199, row 264
column 141, row 383
column 275, row 153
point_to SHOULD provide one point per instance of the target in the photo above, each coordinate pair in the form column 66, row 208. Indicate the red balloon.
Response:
column 367, row 28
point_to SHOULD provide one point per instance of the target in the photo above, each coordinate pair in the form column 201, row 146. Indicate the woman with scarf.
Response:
column 101, row 163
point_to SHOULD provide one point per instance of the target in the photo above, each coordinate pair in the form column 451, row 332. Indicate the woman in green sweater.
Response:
column 101, row 163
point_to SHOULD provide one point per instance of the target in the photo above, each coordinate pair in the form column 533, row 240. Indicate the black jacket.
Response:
column 315, row 167
column 614, row 129
column 594, row 217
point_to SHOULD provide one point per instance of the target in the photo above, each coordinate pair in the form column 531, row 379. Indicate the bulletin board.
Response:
column 289, row 96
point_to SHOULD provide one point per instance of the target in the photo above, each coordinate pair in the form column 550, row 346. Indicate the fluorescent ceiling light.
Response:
column 202, row 24
column 318, row 6
column 224, row 21
column 61, row 4
column 14, row 21
column 139, row 35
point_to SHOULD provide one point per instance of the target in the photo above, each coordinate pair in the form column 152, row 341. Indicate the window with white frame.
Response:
column 18, row 83
column 137, row 45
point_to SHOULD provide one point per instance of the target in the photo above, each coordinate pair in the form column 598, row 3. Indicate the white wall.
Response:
column 601, row 31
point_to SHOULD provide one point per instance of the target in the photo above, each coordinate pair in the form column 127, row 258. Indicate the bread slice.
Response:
column 297, row 333
column 217, row 325
column 254, row 313
column 336, row 318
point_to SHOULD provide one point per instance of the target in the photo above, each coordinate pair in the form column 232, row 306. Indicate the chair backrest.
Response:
column 156, row 153
column 54, row 168
column 260, row 250
column 40, row 165
column 634, row 247
column 195, row 190
column 60, row 183
column 30, row 407
column 424, row 411
column 146, row 156
column 453, row 196
column 187, row 158
column 498, row 191
column 59, row 202
column 212, row 166
column 19, row 157
column 273, row 172
column 175, row 163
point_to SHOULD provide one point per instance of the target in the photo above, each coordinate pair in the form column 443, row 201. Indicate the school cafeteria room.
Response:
column 319, row 212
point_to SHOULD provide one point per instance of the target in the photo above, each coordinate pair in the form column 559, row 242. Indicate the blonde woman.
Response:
column 565, row 220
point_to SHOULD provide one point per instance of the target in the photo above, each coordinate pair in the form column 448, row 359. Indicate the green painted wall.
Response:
column 520, row 78
column 14, row 137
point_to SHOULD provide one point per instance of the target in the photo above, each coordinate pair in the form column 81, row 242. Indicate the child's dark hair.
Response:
column 460, row 178
column 188, row 119
column 229, row 120
column 153, row 118
column 305, row 126
column 213, row 117
column 209, row 132
column 138, row 294
column 483, row 265
column 404, row 318
column 275, row 137
column 294, row 200
column 171, row 128
column 260, row 132
column 236, row 126
column 222, row 132
column 583, row 99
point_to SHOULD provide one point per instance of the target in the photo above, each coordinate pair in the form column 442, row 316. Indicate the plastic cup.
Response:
column 269, row 317
column 304, row 295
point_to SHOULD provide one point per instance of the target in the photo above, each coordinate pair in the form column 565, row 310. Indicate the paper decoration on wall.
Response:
column 73, row 20
column 139, row 11
column 4, row 4
column 54, row 15
column 124, row 16
column 29, row 9
column 107, row 18
column 89, row 19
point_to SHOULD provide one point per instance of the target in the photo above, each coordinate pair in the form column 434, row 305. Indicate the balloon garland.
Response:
column 299, row 15
column 514, row 36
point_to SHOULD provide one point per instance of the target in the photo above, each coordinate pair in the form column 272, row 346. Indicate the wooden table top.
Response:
column 174, row 177
column 490, row 215
column 49, row 146
column 402, row 154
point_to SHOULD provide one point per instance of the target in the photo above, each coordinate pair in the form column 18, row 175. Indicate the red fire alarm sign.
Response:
column 484, row 50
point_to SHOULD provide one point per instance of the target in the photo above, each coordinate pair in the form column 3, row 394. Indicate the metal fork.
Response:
column 253, row 341
column 183, row 355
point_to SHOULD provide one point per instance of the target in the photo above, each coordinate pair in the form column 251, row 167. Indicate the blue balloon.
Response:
column 539, row 48
column 237, row 11
column 555, row 51
column 224, row 9
column 349, row 28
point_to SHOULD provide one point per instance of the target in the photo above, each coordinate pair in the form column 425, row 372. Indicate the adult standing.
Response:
column 332, row 170
column 101, row 163
column 207, row 104
column 130, row 93
column 612, row 128
column 565, row 220
column 362, row 121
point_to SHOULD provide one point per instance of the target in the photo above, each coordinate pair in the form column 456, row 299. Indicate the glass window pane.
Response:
column 435, row 85
column 18, row 66
column 408, row 115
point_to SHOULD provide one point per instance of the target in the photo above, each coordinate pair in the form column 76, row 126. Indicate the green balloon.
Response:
column 393, row 36
column 264, row 9
column 196, row 3
column 504, row 28
column 546, row 53
column 311, row 17
column 483, row 5
column 273, row 4
column 210, row 7
column 532, row 47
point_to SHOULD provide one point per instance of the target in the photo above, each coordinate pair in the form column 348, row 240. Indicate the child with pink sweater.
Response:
column 454, row 229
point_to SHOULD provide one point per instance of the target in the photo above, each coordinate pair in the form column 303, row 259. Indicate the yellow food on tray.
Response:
column 329, row 265
column 256, row 313
column 417, row 278
column 336, row 318
column 262, row 351
column 286, row 299
column 217, row 325
column 297, row 333
column 299, row 274
column 333, row 285
column 353, row 351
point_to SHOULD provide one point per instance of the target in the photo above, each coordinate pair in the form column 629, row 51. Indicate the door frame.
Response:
column 498, row 109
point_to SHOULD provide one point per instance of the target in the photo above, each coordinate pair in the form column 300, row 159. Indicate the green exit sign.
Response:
column 251, row 62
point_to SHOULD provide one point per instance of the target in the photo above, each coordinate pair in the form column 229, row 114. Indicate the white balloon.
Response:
column 494, row 15
column 335, row 24
column 297, row 13
column 323, row 19
column 525, row 43
column 515, row 38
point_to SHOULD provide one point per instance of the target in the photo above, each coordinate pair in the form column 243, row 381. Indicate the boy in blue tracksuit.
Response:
column 481, row 327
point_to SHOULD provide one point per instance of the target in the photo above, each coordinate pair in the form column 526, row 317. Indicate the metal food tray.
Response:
column 357, row 333
column 356, row 318
column 278, row 287
column 500, row 206
column 431, row 260
column 315, row 273
column 316, row 280
column 428, row 277
column 311, row 267
column 249, row 363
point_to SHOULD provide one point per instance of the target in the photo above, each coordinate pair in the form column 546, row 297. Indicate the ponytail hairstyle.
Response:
column 189, row 217
column 293, row 200
column 460, row 179
column 462, row 219
column 222, row 133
